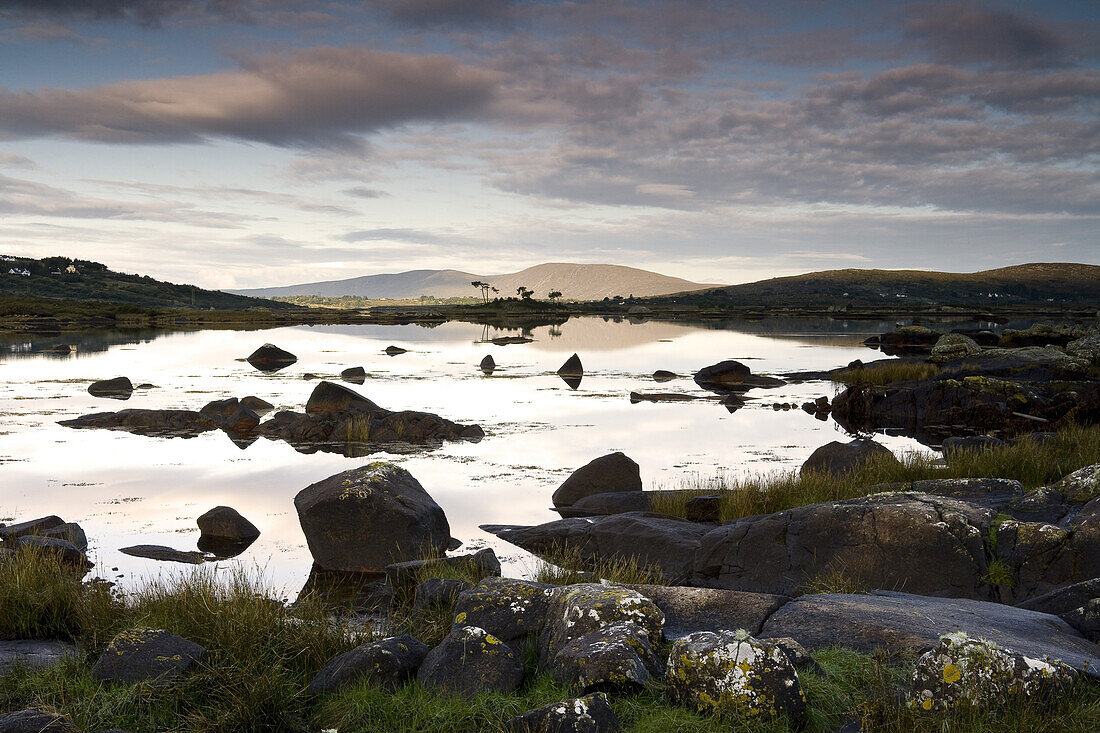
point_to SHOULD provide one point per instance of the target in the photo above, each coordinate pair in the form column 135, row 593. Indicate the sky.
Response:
column 250, row 143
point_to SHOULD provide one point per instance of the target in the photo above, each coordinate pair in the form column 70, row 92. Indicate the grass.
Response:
column 566, row 566
column 260, row 656
column 881, row 374
column 1032, row 463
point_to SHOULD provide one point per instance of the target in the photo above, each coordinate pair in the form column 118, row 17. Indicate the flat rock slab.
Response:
column 896, row 621
column 706, row 609
column 165, row 554
column 33, row 653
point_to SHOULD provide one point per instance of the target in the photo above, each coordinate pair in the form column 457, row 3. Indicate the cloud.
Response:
column 321, row 96
column 414, row 236
column 445, row 12
column 11, row 160
column 142, row 12
column 960, row 33
column 363, row 192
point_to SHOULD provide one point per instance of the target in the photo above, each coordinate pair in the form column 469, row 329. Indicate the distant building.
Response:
column 19, row 271
column 71, row 269
column 8, row 258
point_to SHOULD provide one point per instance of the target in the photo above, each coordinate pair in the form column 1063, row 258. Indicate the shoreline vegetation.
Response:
column 262, row 652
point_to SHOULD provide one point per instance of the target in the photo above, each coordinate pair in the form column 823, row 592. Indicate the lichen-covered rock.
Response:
column 953, row 346
column 470, row 661
column 388, row 662
column 507, row 608
column 137, row 655
column 1086, row 348
column 35, row 721
column 577, row 610
column 369, row 517
column 612, row 473
column 730, row 673
column 1081, row 486
column 963, row 670
column 617, row 657
column 588, row 714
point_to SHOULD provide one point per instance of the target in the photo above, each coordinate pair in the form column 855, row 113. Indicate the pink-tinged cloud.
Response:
column 321, row 96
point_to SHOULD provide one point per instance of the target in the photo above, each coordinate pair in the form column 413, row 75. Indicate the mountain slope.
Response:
column 1030, row 284
column 62, row 277
column 574, row 281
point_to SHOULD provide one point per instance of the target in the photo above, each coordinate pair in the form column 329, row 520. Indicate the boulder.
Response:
column 578, row 610
column 220, row 409
column 270, row 358
column 367, row 518
column 470, row 661
column 903, row 621
column 10, row 532
column 618, row 657
column 1086, row 348
column 66, row 552
column 571, row 368
column 688, row 610
column 355, row 375
column 434, row 592
column 723, row 376
column 704, row 508
column 35, row 721
column 389, row 662
column 160, row 423
column 663, row 375
column 164, row 554
column 487, row 364
column 328, row 397
column 588, row 714
column 395, row 350
column 70, row 532
column 507, row 608
column 34, row 654
column 139, row 655
column 226, row 523
column 1081, row 486
column 838, row 458
column 953, row 346
column 257, row 405
column 242, row 422
column 965, row 670
column 118, row 388
column 402, row 577
column 729, row 673
column 612, row 473
column 609, row 503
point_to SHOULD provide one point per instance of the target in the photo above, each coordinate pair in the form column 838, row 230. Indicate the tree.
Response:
column 524, row 293
column 554, row 294
column 484, row 289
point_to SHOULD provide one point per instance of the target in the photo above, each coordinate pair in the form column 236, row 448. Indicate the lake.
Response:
column 126, row 489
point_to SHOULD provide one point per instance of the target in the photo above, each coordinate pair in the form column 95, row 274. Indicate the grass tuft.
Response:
column 884, row 373
column 566, row 566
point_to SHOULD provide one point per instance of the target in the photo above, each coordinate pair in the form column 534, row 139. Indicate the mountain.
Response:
column 1038, row 283
column 574, row 281
column 63, row 277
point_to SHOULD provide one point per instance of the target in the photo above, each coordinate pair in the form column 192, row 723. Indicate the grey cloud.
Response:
column 318, row 96
column 142, row 12
column 363, row 192
column 11, row 160
column 962, row 33
column 445, row 12
column 414, row 236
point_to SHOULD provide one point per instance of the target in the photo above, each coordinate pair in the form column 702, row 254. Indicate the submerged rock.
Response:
column 367, row 518
column 164, row 554
column 161, row 423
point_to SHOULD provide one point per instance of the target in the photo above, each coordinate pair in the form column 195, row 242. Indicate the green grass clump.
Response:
column 567, row 566
column 883, row 373
column 1030, row 462
column 998, row 572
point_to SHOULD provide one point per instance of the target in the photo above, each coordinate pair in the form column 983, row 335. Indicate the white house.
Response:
column 19, row 271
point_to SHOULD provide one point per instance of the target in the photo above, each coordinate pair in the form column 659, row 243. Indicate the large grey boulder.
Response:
column 369, row 517
column 612, row 473
column 470, row 661
column 617, row 657
column 903, row 621
column 389, row 662
column 729, row 673
column 961, row 669
column 588, row 714
column 139, row 655
column 838, row 458
column 953, row 346
column 507, row 608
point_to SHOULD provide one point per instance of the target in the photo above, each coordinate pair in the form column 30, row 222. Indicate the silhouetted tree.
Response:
column 554, row 294
column 524, row 293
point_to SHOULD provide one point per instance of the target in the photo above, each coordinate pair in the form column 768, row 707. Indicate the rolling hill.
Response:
column 66, row 278
column 1040, row 283
column 574, row 281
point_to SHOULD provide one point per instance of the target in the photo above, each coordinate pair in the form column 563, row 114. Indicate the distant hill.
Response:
column 62, row 277
column 574, row 281
column 1041, row 283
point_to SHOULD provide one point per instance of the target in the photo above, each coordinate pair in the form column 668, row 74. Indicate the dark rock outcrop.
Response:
column 389, row 662
column 688, row 610
column 328, row 397
column 395, row 350
column 165, row 554
column 487, row 364
column 612, row 473
column 10, row 532
column 355, row 375
column 119, row 388
column 367, row 518
column 66, row 552
column 153, row 655
column 723, row 376
column 470, row 661
column 160, row 423
column 270, row 358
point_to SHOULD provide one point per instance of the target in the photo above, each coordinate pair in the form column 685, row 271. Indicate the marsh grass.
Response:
column 1033, row 463
column 567, row 566
column 884, row 373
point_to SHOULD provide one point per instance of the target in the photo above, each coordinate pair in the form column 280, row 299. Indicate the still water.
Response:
column 127, row 489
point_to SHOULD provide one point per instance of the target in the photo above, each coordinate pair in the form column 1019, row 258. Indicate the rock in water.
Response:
column 487, row 364
column 226, row 523
column 367, row 518
column 588, row 714
column 839, row 458
column 723, row 376
column 732, row 674
column 612, row 473
column 663, row 375
column 118, row 388
column 470, row 661
column 977, row 672
column 356, row 375
column 389, row 662
column 571, row 368
column 331, row 397
column 395, row 350
column 138, row 655
column 38, row 526
column 270, row 358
